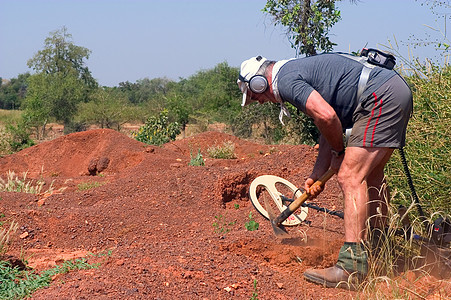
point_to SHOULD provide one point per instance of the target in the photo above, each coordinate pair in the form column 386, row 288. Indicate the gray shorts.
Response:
column 381, row 119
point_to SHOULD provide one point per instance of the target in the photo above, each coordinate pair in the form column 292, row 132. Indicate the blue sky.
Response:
column 135, row 39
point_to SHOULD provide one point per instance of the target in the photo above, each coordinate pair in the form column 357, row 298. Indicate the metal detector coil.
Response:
column 272, row 184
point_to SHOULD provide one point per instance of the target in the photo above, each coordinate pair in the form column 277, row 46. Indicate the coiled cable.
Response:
column 410, row 183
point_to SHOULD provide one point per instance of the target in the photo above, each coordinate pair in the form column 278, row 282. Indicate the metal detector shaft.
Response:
column 301, row 199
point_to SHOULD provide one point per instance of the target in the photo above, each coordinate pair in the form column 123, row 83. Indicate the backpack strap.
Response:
column 364, row 75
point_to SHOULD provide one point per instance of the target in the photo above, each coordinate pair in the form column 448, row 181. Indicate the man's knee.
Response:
column 349, row 179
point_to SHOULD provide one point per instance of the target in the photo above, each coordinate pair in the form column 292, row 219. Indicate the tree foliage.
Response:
column 13, row 92
column 307, row 21
column 145, row 90
column 61, row 56
column 212, row 92
column 61, row 81
column 258, row 120
column 262, row 121
column 107, row 108
column 52, row 96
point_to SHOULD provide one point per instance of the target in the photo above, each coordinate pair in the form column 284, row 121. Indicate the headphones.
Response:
column 258, row 83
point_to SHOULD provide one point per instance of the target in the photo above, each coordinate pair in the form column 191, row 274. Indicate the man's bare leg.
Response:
column 361, row 168
column 356, row 173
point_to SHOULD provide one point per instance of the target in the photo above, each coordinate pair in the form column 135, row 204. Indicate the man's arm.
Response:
column 323, row 159
column 331, row 138
column 326, row 120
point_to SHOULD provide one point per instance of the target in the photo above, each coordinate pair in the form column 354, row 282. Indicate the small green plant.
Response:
column 251, row 225
column 255, row 292
column 221, row 225
column 158, row 130
column 15, row 184
column 197, row 160
column 18, row 284
column 224, row 151
column 103, row 254
column 88, row 185
column 236, row 206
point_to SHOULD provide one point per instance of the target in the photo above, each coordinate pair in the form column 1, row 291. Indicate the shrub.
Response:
column 18, row 136
column 226, row 151
column 158, row 130
column 262, row 121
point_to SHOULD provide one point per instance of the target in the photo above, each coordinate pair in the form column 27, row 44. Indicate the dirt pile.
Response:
column 173, row 230
column 71, row 155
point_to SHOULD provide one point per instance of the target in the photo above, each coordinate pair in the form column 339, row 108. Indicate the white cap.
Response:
column 249, row 68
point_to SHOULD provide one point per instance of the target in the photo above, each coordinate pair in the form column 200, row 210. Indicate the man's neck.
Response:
column 269, row 76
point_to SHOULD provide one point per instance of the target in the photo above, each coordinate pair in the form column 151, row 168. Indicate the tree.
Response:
column 108, row 108
column 61, row 81
column 212, row 92
column 61, row 56
column 146, row 89
column 179, row 110
column 307, row 21
column 262, row 121
column 52, row 96
column 13, row 92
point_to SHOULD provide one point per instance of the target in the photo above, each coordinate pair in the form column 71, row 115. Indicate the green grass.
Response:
column 9, row 116
column 89, row 185
column 428, row 144
column 18, row 284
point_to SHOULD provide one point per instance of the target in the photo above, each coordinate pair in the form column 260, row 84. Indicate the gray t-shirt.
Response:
column 334, row 77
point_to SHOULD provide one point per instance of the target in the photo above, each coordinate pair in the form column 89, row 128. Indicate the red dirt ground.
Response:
column 156, row 214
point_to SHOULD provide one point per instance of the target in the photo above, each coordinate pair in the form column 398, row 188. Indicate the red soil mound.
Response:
column 71, row 155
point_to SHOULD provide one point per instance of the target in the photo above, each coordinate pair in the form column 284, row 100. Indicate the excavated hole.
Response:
column 235, row 186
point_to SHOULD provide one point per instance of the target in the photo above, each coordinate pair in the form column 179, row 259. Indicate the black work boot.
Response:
column 349, row 271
